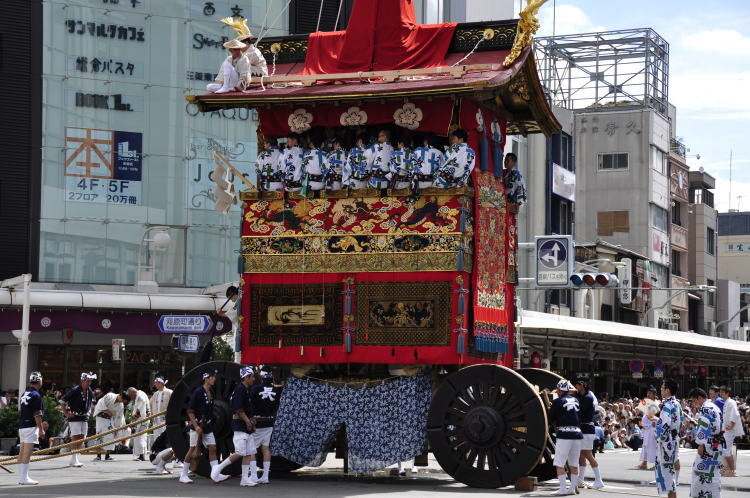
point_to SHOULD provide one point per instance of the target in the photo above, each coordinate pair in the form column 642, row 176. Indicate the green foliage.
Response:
column 222, row 350
column 10, row 418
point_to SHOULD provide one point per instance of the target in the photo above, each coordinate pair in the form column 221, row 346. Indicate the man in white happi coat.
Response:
column 378, row 160
column 426, row 161
column 732, row 429
column 109, row 413
column 667, row 463
column 141, row 409
column 268, row 166
column 706, row 478
column 459, row 162
column 356, row 172
column 291, row 161
column 401, row 165
column 159, row 402
column 313, row 163
column 333, row 170
column 234, row 73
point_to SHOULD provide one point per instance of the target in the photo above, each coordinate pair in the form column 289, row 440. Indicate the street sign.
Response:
column 624, row 275
column 189, row 343
column 117, row 344
column 554, row 260
column 196, row 324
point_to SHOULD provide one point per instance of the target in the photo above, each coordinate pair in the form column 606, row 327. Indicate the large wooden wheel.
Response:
column 544, row 383
column 487, row 426
column 227, row 378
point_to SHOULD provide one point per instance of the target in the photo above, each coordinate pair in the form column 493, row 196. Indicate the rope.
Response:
column 338, row 14
column 260, row 37
column 481, row 39
column 320, row 14
column 91, row 438
column 95, row 447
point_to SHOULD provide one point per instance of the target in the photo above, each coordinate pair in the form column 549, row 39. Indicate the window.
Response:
column 303, row 15
column 659, row 218
column 676, row 263
column 613, row 161
column 676, row 219
column 710, row 296
column 710, row 241
column 658, row 160
column 564, row 219
column 609, row 222
column 565, row 152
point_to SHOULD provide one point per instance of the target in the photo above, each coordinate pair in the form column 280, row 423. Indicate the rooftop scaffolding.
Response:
column 598, row 71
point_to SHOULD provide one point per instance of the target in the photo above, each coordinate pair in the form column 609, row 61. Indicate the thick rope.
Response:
column 90, row 438
column 320, row 14
column 95, row 447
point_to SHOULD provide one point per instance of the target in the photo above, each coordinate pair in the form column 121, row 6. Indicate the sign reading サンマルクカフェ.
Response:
column 103, row 166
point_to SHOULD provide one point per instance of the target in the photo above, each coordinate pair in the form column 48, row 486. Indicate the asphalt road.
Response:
column 126, row 478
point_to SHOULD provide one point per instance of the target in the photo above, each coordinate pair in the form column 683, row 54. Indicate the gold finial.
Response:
column 527, row 26
column 275, row 48
column 488, row 34
column 239, row 25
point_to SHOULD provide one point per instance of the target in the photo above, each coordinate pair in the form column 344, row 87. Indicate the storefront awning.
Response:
column 620, row 341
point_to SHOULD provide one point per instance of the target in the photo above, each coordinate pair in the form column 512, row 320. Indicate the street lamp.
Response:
column 700, row 287
column 23, row 334
column 159, row 241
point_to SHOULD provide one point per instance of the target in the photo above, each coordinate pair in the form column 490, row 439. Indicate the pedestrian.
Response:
column 588, row 406
column 706, row 479
column 265, row 399
column 109, row 413
column 667, row 462
column 634, row 439
column 732, row 429
column 30, row 428
column 76, row 406
column 243, row 427
column 565, row 415
column 713, row 395
column 141, row 410
column 200, row 411
column 161, row 454
column 159, row 402
column 648, row 431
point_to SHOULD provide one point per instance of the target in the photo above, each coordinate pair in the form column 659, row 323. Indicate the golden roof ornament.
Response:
column 239, row 25
column 527, row 26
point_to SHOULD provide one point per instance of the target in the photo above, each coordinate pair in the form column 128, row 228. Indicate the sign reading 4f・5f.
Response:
column 103, row 166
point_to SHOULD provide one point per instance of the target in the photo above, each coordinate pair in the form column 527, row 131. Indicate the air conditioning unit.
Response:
column 673, row 326
column 711, row 328
column 743, row 334
column 554, row 309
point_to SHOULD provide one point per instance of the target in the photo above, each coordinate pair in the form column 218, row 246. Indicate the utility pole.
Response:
column 23, row 334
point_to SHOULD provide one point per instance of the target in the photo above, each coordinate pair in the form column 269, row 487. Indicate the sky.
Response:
column 709, row 80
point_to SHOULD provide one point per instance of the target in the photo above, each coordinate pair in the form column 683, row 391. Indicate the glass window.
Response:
column 676, row 219
column 710, row 241
column 676, row 263
column 710, row 296
column 565, row 152
column 613, row 161
column 659, row 218
column 659, row 160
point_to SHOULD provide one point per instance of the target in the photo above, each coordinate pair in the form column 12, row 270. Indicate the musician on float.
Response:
column 426, row 161
column 378, row 159
column 459, row 162
column 291, row 162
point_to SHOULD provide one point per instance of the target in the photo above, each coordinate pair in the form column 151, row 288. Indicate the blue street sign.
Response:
column 189, row 343
column 197, row 324
column 554, row 260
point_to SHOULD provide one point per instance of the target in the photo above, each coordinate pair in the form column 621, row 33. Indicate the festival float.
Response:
column 388, row 314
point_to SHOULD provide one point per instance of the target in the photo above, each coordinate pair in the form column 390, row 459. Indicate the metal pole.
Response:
column 122, row 368
column 24, row 339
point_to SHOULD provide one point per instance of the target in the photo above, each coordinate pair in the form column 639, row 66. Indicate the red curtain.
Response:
column 381, row 35
column 428, row 116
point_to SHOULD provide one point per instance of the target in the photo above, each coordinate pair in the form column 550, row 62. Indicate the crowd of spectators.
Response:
column 620, row 420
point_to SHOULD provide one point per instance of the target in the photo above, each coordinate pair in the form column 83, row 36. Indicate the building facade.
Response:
column 702, row 263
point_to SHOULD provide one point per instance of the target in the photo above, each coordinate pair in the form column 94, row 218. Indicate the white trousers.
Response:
column 140, row 445
column 567, row 450
column 231, row 79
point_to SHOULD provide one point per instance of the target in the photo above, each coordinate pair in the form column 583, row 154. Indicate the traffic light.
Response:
column 224, row 191
column 594, row 280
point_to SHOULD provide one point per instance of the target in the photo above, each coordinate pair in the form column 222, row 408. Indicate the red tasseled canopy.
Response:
column 381, row 35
